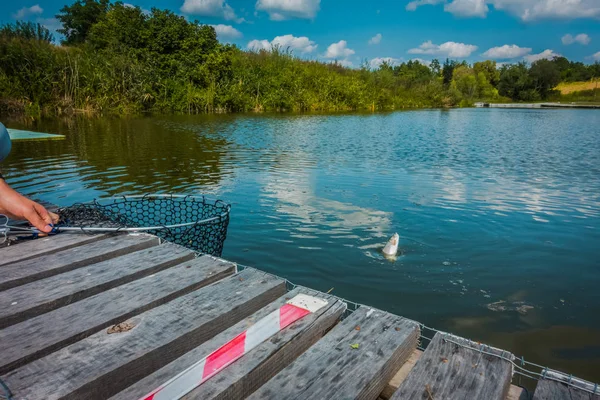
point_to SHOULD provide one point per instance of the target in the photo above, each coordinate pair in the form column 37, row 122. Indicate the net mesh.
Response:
column 191, row 221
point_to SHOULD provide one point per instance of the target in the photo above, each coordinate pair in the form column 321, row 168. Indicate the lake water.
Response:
column 491, row 206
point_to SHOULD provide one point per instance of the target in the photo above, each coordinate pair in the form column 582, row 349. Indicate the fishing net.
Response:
column 191, row 221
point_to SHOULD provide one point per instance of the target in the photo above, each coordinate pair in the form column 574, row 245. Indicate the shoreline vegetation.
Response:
column 116, row 59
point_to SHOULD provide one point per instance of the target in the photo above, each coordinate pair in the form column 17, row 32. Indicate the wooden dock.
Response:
column 539, row 105
column 114, row 317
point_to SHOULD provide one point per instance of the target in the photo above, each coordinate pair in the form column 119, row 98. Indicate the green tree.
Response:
column 448, row 71
column 490, row 70
column 544, row 75
column 118, row 59
column 595, row 70
column 485, row 89
column 514, row 80
column 435, row 67
column 121, row 28
column 464, row 79
column 78, row 18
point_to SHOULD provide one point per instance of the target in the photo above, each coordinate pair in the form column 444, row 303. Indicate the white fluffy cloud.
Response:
column 280, row 10
column 448, row 49
column 257, row 45
column 338, row 50
column 507, row 52
column 531, row 10
column 227, row 32
column 28, row 11
column 210, row 8
column 546, row 54
column 467, row 8
column 298, row 44
column 596, row 56
column 375, row 39
column 377, row 61
column 526, row 10
column 582, row 38
column 413, row 5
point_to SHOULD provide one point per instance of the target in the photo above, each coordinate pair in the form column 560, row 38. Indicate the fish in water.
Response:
column 391, row 248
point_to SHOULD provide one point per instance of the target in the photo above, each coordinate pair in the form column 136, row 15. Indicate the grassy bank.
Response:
column 587, row 92
column 571, row 87
column 117, row 59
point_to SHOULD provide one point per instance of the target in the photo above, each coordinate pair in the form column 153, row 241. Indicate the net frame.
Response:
column 192, row 221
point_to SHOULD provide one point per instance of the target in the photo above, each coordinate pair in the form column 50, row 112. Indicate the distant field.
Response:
column 570, row 87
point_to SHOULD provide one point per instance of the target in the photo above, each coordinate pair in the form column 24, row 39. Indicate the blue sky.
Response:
column 352, row 31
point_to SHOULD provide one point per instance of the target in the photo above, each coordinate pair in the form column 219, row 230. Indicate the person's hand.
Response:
column 16, row 206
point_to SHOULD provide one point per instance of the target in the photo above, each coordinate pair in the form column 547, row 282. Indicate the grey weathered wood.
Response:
column 332, row 369
column 20, row 273
column 46, row 333
column 255, row 368
column 450, row 371
column 44, row 246
column 35, row 298
column 103, row 364
column 552, row 388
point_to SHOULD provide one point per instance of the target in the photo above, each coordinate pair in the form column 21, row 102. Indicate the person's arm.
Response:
column 16, row 206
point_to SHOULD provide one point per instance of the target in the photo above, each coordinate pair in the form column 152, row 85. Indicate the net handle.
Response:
column 141, row 229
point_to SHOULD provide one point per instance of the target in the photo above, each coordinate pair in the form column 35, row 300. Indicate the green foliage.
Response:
column 522, row 83
column 118, row 59
column 489, row 69
column 571, row 71
column 465, row 81
column 544, row 75
column 448, row 71
column 121, row 28
column 78, row 18
column 515, row 82
column 26, row 31
column 435, row 67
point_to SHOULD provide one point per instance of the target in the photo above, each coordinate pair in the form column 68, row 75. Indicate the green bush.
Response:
column 118, row 59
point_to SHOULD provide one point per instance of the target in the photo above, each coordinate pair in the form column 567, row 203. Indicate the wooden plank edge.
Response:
column 123, row 317
column 113, row 378
column 157, row 358
column 400, row 357
column 556, row 383
column 320, row 371
column 258, row 366
column 514, row 393
column 24, row 315
column 109, row 255
column 92, row 239
column 284, row 356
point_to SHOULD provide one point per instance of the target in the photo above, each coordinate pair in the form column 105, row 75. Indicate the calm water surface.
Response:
column 491, row 206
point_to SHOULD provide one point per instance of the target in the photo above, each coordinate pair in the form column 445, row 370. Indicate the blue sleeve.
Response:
column 5, row 144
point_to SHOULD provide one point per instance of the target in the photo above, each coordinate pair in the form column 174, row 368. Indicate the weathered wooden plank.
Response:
column 103, row 364
column 401, row 375
column 514, row 393
column 35, row 298
column 517, row 393
column 255, row 368
column 353, row 361
column 45, row 246
column 46, row 333
column 31, row 270
column 457, row 371
column 553, row 388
